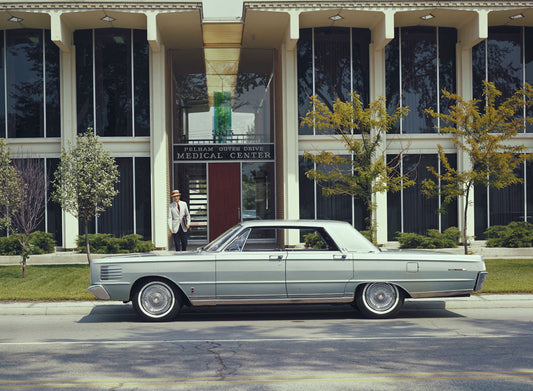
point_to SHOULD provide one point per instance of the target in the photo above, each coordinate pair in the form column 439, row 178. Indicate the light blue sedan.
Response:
column 283, row 262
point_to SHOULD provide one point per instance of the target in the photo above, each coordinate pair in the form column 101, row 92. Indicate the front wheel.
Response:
column 156, row 300
column 379, row 300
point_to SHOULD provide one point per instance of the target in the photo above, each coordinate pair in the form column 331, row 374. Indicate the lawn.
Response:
column 70, row 282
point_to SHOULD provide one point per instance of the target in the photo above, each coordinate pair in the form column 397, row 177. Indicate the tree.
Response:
column 482, row 134
column 365, row 172
column 31, row 188
column 85, row 180
column 9, row 185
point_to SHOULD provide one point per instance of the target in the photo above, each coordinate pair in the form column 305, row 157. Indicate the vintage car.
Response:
column 280, row 261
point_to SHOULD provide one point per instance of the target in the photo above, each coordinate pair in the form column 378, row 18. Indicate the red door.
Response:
column 224, row 197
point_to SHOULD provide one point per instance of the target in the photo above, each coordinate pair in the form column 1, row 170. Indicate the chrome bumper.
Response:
column 481, row 277
column 99, row 292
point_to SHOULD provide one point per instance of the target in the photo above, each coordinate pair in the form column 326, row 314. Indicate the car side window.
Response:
column 238, row 243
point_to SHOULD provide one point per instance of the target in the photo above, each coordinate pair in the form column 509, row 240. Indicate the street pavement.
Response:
column 83, row 308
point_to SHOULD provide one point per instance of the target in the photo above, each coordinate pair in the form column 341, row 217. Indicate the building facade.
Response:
column 186, row 97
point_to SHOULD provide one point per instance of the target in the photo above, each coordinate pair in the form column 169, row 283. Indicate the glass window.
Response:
column 420, row 62
column 24, row 76
column 258, row 191
column 409, row 210
column 223, row 96
column 54, row 220
column 112, row 69
column 118, row 220
column 332, row 62
column 143, row 198
column 113, row 81
column 53, row 92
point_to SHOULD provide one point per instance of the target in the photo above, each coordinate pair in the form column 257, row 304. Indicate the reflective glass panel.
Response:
column 305, row 76
column 83, row 39
column 258, row 191
column 53, row 103
column 141, row 83
column 24, row 75
column 143, row 198
column 529, row 68
column 505, row 58
column 223, row 96
column 112, row 64
column 419, row 77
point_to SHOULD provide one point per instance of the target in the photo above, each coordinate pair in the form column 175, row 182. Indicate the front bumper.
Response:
column 99, row 292
column 481, row 277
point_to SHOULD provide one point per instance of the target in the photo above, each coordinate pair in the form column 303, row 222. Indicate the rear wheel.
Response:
column 379, row 300
column 156, row 300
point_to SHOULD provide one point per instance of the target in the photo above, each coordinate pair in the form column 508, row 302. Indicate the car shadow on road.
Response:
column 291, row 312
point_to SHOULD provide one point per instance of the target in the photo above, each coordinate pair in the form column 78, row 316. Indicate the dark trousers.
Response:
column 180, row 240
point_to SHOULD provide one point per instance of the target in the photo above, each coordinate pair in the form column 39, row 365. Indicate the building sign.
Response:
column 222, row 152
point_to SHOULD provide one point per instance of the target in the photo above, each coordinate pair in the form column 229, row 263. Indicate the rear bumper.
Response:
column 99, row 292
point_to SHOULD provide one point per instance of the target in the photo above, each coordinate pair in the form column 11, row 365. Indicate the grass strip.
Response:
column 70, row 282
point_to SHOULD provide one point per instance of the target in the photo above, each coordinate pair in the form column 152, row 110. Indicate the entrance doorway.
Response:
column 224, row 194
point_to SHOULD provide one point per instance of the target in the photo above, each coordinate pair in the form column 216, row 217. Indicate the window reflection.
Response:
column 414, row 78
column 24, row 84
column 222, row 96
column 329, row 68
column 113, row 82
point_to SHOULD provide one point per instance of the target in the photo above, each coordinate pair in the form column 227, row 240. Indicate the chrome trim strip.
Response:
column 295, row 300
column 481, row 277
column 423, row 295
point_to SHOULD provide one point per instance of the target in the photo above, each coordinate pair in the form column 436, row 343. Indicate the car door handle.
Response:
column 275, row 257
column 343, row 256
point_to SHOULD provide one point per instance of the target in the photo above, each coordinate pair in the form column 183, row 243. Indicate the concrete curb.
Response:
column 84, row 308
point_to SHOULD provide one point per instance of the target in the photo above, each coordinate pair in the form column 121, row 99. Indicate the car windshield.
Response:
column 219, row 242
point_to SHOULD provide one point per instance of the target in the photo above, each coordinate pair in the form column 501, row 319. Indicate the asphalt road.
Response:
column 461, row 344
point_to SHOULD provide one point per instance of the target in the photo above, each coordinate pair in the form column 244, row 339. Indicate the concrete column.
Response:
column 159, row 147
column 62, row 36
column 289, row 82
column 382, row 34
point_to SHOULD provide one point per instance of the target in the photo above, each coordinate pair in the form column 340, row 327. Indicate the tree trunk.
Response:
column 87, row 246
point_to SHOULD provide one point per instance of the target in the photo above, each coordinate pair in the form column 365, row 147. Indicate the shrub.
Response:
column 434, row 239
column 313, row 240
column 515, row 234
column 106, row 244
column 39, row 243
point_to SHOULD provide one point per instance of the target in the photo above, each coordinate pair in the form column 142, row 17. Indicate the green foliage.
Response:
column 313, row 240
column 363, row 171
column 482, row 133
column 10, row 195
column 106, row 244
column 39, row 243
column 515, row 234
column 84, row 182
column 434, row 239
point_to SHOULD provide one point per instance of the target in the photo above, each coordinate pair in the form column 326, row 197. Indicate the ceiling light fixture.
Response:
column 108, row 18
column 336, row 17
column 15, row 19
column 517, row 16
column 427, row 17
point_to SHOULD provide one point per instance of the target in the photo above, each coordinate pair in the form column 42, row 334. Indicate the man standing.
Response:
column 179, row 221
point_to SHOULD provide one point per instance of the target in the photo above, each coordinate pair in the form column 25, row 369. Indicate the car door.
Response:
column 250, row 274
column 312, row 273
column 323, row 271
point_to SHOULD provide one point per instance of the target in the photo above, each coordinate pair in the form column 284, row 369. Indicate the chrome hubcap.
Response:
column 381, row 297
column 156, row 298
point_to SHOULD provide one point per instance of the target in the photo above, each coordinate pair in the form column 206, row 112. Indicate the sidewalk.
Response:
column 73, row 257
column 84, row 308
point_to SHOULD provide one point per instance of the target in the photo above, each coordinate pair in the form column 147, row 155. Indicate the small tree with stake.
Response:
column 483, row 134
column 362, row 130
column 85, row 180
